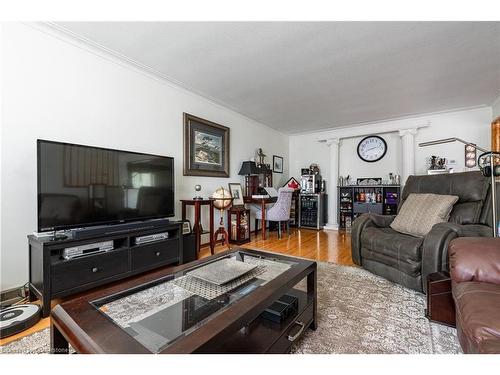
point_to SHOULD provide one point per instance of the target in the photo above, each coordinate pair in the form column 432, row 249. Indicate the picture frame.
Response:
column 292, row 183
column 206, row 148
column 277, row 164
column 236, row 193
column 186, row 227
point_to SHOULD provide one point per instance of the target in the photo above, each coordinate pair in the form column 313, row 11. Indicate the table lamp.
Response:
column 250, row 170
column 492, row 156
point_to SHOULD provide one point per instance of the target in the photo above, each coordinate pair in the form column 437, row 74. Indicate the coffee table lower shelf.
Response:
column 265, row 336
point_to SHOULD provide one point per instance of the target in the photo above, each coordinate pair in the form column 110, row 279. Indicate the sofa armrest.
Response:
column 475, row 259
column 362, row 222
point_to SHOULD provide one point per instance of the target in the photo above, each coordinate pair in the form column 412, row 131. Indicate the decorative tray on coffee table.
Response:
column 222, row 271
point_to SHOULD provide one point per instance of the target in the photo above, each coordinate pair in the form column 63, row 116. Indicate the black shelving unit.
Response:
column 355, row 200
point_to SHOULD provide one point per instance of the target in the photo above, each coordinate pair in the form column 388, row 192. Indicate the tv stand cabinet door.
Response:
column 74, row 273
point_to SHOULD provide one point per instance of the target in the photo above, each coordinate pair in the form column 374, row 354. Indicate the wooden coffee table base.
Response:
column 58, row 343
column 239, row 328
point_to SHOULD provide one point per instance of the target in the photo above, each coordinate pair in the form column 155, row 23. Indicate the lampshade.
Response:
column 248, row 168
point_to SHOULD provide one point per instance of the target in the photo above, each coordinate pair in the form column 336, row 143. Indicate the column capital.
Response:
column 333, row 141
column 403, row 132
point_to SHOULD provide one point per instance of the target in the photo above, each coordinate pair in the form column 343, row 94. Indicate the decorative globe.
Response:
column 221, row 196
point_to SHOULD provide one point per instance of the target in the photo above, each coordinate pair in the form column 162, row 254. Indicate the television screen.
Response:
column 80, row 186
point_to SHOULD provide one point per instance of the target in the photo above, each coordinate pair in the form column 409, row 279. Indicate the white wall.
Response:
column 53, row 89
column 351, row 164
column 495, row 109
column 471, row 125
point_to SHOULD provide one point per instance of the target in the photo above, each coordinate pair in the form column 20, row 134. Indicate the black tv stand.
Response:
column 51, row 276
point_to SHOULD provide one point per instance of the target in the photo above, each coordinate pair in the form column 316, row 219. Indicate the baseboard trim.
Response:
column 10, row 296
column 331, row 227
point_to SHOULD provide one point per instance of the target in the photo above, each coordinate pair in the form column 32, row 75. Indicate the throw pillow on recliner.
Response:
column 420, row 212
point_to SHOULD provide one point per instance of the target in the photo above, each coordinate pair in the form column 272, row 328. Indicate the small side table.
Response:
column 440, row 304
column 197, row 228
column 238, row 221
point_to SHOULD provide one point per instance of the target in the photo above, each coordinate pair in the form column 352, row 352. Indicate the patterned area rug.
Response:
column 358, row 312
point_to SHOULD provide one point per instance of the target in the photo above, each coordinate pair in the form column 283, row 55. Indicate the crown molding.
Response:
column 415, row 116
column 77, row 40
column 374, row 128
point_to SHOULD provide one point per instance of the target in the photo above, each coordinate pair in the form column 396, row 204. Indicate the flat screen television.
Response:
column 81, row 186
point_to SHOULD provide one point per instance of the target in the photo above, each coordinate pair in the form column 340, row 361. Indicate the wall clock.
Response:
column 372, row 148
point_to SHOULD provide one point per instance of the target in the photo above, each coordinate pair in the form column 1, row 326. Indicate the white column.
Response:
column 408, row 141
column 333, row 143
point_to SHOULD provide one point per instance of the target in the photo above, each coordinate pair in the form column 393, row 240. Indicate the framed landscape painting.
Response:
column 206, row 148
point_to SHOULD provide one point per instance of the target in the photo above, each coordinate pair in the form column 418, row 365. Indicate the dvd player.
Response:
column 91, row 248
column 151, row 238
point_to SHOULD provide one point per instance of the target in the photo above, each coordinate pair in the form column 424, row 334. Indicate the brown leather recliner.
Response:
column 475, row 275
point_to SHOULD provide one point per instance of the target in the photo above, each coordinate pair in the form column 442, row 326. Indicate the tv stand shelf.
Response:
column 51, row 276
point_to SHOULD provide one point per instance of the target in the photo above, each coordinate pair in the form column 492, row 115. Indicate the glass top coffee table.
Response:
column 214, row 305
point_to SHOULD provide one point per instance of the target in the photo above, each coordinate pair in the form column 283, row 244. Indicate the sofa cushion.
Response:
column 392, row 243
column 409, row 267
column 420, row 212
column 392, row 248
column 478, row 319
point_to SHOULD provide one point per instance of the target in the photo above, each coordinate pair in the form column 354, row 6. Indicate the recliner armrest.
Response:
column 469, row 230
column 475, row 259
column 362, row 222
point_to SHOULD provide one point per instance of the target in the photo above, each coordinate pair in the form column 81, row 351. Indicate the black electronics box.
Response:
column 281, row 309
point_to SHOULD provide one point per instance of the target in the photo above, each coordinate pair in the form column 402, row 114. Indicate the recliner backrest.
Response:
column 472, row 189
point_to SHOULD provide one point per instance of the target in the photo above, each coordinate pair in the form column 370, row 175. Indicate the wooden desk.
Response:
column 197, row 228
column 262, row 202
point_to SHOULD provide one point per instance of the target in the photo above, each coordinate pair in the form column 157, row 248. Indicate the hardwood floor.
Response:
column 324, row 246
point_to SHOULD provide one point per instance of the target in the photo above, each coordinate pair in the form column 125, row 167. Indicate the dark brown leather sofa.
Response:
column 475, row 274
column 408, row 260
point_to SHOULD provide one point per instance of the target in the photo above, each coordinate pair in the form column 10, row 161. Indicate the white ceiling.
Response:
column 306, row 76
